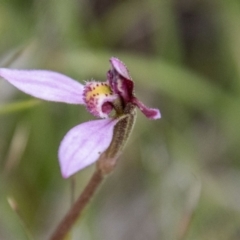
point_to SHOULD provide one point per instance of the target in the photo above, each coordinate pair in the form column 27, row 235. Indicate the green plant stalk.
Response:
column 105, row 165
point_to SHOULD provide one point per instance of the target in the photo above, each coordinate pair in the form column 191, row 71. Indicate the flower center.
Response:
column 98, row 97
column 96, row 90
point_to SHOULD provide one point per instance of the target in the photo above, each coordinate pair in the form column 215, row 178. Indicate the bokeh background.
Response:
column 179, row 177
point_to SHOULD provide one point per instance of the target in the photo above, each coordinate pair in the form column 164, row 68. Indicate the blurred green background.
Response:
column 179, row 177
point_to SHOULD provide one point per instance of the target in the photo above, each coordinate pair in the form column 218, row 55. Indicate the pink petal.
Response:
column 47, row 85
column 151, row 113
column 120, row 67
column 83, row 144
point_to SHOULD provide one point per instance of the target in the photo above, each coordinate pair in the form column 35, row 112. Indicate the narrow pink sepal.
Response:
column 83, row 144
column 151, row 113
column 46, row 85
column 120, row 67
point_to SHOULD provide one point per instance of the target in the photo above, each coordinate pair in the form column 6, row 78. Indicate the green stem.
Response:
column 75, row 211
column 105, row 165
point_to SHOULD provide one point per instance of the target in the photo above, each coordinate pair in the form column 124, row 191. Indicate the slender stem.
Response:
column 191, row 206
column 105, row 165
column 74, row 212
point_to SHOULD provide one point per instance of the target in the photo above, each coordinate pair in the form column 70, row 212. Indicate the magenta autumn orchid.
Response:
column 84, row 143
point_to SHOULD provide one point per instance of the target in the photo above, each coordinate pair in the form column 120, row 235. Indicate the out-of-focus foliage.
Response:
column 179, row 177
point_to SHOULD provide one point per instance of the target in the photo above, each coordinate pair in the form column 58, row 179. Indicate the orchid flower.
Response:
column 111, row 100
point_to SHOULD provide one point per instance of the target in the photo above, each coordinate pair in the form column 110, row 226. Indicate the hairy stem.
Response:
column 105, row 165
column 74, row 212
